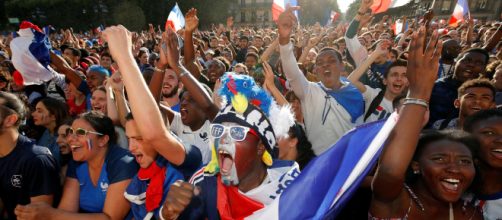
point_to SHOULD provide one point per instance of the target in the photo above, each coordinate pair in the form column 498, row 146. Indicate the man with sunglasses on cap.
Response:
column 28, row 173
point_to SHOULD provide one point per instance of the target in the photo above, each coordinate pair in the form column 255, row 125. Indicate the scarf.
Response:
column 349, row 97
column 155, row 189
column 233, row 205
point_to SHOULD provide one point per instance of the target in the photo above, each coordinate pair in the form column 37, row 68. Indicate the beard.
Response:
column 172, row 93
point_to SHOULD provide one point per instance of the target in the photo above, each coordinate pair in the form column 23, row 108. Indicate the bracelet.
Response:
column 361, row 13
column 184, row 73
column 160, row 70
column 413, row 101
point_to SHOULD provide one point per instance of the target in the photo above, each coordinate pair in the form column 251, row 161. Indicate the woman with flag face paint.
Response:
column 441, row 163
column 97, row 178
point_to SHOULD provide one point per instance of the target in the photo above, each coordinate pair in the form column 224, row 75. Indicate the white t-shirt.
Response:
column 199, row 138
column 382, row 111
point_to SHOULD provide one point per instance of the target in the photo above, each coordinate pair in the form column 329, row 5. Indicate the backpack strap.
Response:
column 374, row 104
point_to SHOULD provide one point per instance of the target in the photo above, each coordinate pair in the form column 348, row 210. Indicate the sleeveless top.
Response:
column 413, row 198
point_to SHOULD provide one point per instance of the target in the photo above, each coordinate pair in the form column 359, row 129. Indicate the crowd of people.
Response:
column 213, row 124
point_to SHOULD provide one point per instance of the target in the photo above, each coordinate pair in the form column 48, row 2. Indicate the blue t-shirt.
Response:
column 176, row 107
column 50, row 141
column 119, row 165
column 136, row 191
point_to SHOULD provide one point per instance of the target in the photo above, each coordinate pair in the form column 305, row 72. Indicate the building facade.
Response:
column 480, row 9
column 252, row 12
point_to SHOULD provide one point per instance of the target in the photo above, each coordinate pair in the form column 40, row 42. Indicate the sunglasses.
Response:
column 80, row 132
column 237, row 132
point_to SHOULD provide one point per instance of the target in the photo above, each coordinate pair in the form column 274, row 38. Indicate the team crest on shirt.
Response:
column 104, row 186
column 16, row 180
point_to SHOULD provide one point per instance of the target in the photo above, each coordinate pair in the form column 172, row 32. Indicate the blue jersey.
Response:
column 119, row 165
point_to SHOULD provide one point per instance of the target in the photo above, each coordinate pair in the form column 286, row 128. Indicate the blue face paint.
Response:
column 89, row 144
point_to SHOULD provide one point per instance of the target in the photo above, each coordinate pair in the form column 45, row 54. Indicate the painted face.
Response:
column 236, row 158
column 145, row 154
column 489, row 133
column 396, row 80
column 106, row 62
column 214, row 71
column 95, row 79
column 475, row 99
column 42, row 116
column 85, row 142
column 327, row 68
column 190, row 111
column 64, row 148
column 98, row 101
column 470, row 66
column 170, row 85
column 447, row 169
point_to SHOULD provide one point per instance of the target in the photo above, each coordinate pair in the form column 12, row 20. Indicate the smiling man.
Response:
column 473, row 96
column 470, row 65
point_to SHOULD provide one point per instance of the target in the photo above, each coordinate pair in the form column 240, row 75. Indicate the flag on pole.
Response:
column 460, row 13
column 380, row 6
column 279, row 6
column 30, row 55
column 176, row 20
column 398, row 26
column 329, row 181
column 333, row 17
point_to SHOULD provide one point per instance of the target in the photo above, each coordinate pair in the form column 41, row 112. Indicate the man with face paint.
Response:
column 242, row 170
column 332, row 106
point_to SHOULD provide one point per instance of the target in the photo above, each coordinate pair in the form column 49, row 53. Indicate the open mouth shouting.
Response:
column 450, row 185
column 226, row 162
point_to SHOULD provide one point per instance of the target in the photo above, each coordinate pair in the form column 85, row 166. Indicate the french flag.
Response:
column 329, row 181
column 459, row 13
column 279, row 6
column 30, row 55
column 380, row 6
column 333, row 17
column 176, row 20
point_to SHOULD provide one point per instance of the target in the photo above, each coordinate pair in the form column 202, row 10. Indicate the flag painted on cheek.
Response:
column 89, row 144
column 328, row 182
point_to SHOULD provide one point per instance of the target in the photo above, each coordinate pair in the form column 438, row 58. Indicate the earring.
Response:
column 416, row 172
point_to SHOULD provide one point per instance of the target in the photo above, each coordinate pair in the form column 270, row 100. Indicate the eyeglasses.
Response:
column 237, row 133
column 80, row 132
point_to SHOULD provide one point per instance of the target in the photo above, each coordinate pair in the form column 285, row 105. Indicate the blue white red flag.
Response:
column 380, row 6
column 460, row 13
column 30, row 54
column 176, row 20
column 333, row 17
column 329, row 181
column 279, row 6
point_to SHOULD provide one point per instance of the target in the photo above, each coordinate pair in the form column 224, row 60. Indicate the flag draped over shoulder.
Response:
column 30, row 54
column 176, row 20
column 459, row 13
column 329, row 181
column 279, row 6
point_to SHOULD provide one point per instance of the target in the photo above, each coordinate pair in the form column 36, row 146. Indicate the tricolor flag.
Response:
column 333, row 17
column 459, row 13
column 279, row 6
column 30, row 55
column 176, row 20
column 398, row 26
column 380, row 6
column 329, row 181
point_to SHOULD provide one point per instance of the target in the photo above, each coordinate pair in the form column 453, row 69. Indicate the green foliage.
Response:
column 352, row 11
column 130, row 15
column 316, row 11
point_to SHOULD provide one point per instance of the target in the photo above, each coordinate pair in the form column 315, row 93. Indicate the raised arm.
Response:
column 63, row 67
column 356, row 50
column 297, row 80
column 493, row 40
column 269, row 85
column 421, row 72
column 143, row 105
column 197, row 92
column 361, row 69
column 265, row 56
column 191, row 23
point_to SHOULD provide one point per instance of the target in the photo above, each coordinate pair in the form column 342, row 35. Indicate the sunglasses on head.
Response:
column 80, row 132
column 237, row 132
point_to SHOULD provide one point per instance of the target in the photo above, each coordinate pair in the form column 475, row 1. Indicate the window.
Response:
column 243, row 16
column 482, row 4
column 253, row 16
column 446, row 5
column 266, row 16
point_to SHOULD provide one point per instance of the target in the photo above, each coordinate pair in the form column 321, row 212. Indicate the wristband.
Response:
column 361, row 13
column 413, row 101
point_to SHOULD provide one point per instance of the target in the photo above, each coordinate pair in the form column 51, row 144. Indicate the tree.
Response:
column 352, row 11
column 130, row 15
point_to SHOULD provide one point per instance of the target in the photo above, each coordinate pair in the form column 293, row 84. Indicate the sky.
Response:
column 343, row 5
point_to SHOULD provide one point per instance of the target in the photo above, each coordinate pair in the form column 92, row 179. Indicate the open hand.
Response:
column 286, row 23
column 119, row 41
column 191, row 20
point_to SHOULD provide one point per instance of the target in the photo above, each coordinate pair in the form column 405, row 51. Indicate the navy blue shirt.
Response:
column 28, row 171
column 443, row 96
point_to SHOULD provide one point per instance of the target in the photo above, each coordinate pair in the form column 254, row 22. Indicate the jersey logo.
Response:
column 104, row 186
column 15, row 180
column 204, row 136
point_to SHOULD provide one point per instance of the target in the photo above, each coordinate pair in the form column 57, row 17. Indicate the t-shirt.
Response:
column 28, row 171
column 198, row 138
column 491, row 206
column 119, row 165
column 382, row 111
column 50, row 141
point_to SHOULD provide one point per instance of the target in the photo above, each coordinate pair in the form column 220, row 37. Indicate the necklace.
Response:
column 415, row 198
